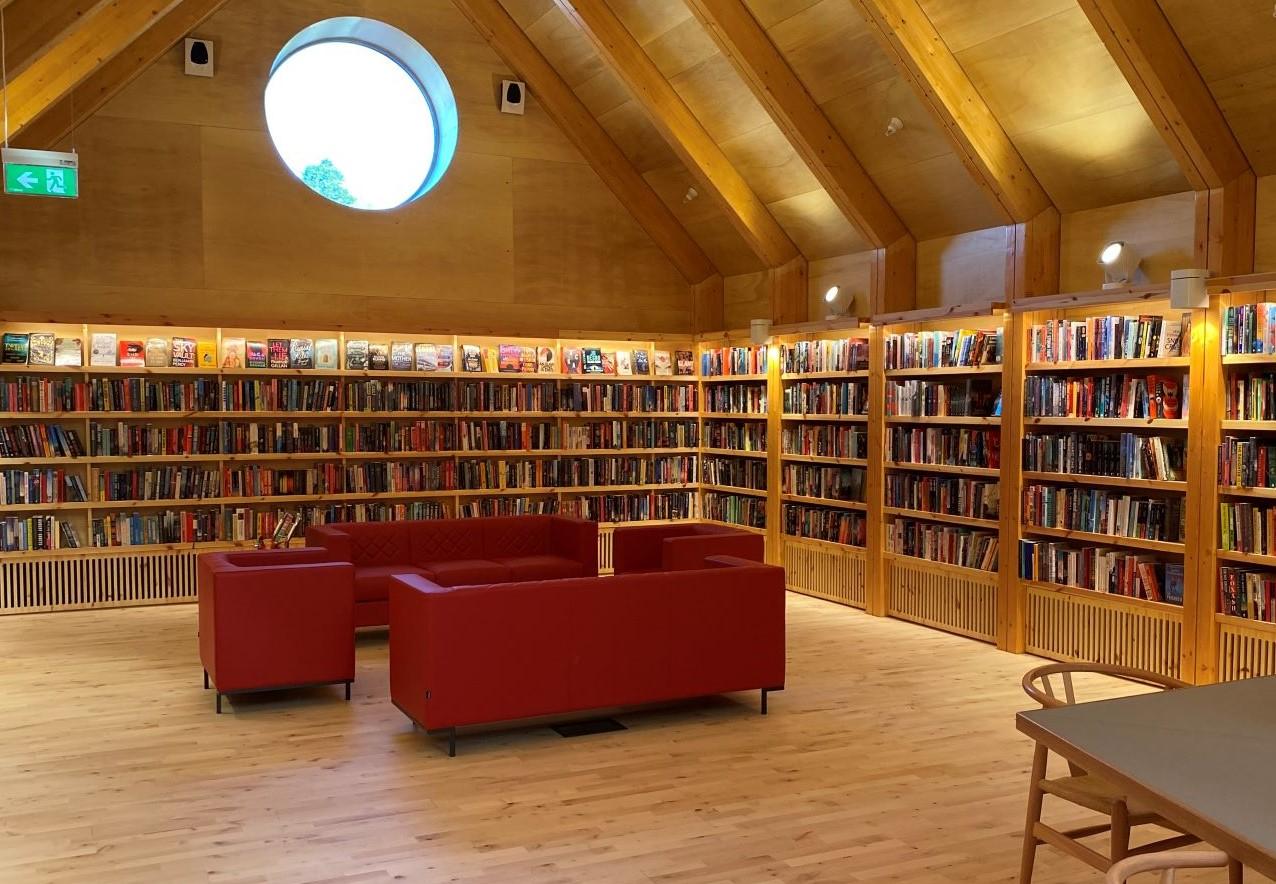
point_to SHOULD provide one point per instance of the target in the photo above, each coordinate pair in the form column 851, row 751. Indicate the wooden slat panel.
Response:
column 965, row 604
column 1102, row 629
column 1246, row 650
column 826, row 571
column 124, row 579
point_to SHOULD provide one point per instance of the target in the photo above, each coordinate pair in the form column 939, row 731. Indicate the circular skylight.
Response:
column 361, row 113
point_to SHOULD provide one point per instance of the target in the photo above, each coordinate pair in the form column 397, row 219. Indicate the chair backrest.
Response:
column 1165, row 863
column 1040, row 683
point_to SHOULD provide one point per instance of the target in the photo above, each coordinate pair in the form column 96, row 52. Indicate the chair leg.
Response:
column 219, row 703
column 348, row 692
column 1035, row 798
column 205, row 679
column 1235, row 872
column 451, row 743
column 1120, row 832
column 764, row 701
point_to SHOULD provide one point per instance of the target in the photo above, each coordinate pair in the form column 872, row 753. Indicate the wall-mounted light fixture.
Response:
column 760, row 331
column 839, row 302
column 1120, row 263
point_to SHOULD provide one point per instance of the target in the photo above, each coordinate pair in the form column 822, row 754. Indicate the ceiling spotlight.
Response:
column 691, row 194
column 1120, row 263
column 839, row 301
column 831, row 295
column 893, row 126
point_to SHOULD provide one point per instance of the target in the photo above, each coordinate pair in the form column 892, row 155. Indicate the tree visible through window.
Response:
column 326, row 179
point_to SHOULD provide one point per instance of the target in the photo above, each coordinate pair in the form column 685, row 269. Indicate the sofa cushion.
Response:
column 542, row 567
column 378, row 543
column 444, row 541
column 466, row 572
column 515, row 536
column 372, row 582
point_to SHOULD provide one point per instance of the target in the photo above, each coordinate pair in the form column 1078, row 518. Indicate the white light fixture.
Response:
column 1187, row 289
column 839, row 302
column 831, row 295
column 893, row 126
column 1120, row 263
column 760, row 331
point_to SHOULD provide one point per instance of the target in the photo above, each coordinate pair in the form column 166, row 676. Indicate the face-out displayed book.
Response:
column 326, row 354
column 40, row 348
column 68, row 352
column 15, row 347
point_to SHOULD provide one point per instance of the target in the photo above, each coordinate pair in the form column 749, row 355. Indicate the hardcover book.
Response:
column 527, row 359
column 471, row 358
column 183, row 353
column 609, row 362
column 233, row 352
column 379, row 356
column 510, row 358
column 624, row 363
column 157, row 352
column 545, row 362
column 661, row 363
column 68, row 351
column 40, row 350
column 15, row 346
column 277, row 352
column 426, row 357
column 402, row 357
column 356, row 355
column 102, row 348
column 447, row 360
column 573, row 360
column 301, row 353
column 132, row 353
column 206, row 354
column 685, row 362
column 591, row 360
column 326, row 354
column 642, row 362
column 255, row 354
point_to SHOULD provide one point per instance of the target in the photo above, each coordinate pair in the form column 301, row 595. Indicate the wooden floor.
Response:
column 892, row 756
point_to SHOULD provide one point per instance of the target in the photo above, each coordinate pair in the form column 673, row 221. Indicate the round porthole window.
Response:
column 361, row 113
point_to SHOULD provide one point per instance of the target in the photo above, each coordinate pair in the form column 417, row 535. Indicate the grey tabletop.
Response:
column 1203, row 757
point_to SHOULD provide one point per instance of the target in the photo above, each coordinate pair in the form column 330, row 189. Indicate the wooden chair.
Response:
column 1166, row 863
column 1088, row 790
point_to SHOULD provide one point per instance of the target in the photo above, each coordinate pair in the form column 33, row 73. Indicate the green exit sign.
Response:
column 41, row 173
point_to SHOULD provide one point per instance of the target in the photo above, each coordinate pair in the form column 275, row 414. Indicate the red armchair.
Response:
column 275, row 619
column 480, row 654
column 640, row 549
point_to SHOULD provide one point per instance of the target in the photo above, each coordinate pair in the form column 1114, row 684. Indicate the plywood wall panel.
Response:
column 746, row 296
column 1161, row 228
column 852, row 273
column 963, row 269
column 1265, row 228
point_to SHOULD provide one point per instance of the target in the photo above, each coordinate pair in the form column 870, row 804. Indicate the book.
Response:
column 1174, row 583
column 284, row 529
column 471, row 358
column 641, row 362
column 490, row 359
column 326, row 354
column 661, row 363
column 14, row 346
column 378, row 356
column 40, row 348
column 402, row 357
column 591, row 360
column 182, row 354
column 684, row 363
column 206, row 354
column 447, row 360
column 301, row 353
column 609, row 362
column 510, row 358
column 102, row 349
column 545, row 362
column 426, row 357
column 573, row 359
column 624, row 363
column 158, row 351
column 68, row 351
column 232, row 352
column 256, row 355
column 132, row 353
column 277, row 352
column 527, row 359
column 356, row 355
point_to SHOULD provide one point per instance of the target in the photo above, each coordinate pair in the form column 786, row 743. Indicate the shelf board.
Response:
column 748, row 528
column 732, row 416
column 827, row 418
column 1249, row 359
column 1241, row 491
column 969, row 521
column 625, row 415
column 1158, row 423
column 1094, row 594
column 1112, row 481
column 1249, row 426
column 835, row 461
column 1241, row 558
column 825, row 375
column 961, row 570
column 943, row 468
column 6, row 462
column 734, row 452
column 47, row 369
column 944, row 419
column 505, row 492
column 45, row 507
column 942, row 370
column 733, row 378
column 825, row 501
column 1263, row 626
column 733, row 489
column 1110, row 364
column 841, row 547
column 1106, row 539
column 396, row 455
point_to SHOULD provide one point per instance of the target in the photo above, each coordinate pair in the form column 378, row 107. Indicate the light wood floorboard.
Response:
column 892, row 757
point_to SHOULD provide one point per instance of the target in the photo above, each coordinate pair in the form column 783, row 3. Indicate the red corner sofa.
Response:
column 452, row 552
column 637, row 549
column 486, row 653
column 275, row 619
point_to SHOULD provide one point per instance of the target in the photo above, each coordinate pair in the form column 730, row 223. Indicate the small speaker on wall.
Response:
column 199, row 57
column 513, row 96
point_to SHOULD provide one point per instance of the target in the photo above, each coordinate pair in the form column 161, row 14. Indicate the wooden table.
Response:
column 1204, row 758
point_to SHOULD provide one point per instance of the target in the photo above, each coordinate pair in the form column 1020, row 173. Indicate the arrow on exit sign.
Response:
column 41, row 173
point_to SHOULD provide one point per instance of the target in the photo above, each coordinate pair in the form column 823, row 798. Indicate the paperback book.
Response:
column 527, row 360
column 14, row 346
column 624, row 362
column 426, row 357
column 68, row 351
column 277, row 351
column 609, row 362
column 132, row 353
column 41, row 348
column 642, row 362
column 357, row 355
column 591, row 361
column 183, row 353
column 378, row 356
column 158, row 351
column 301, row 353
column 326, row 354
column 206, row 354
column 255, row 355
column 511, row 358
column 471, row 357
column 545, row 363
column 102, row 349
column 447, row 357
column 233, row 352
column 661, row 363
column 685, row 362
column 573, row 360
column 402, row 356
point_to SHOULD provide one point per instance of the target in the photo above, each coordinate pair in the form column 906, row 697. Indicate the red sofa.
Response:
column 275, row 619
column 637, row 549
column 452, row 552
column 499, row 652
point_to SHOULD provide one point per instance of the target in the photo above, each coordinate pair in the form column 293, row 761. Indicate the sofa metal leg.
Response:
column 205, row 679
column 219, row 702
column 348, row 691
column 451, row 743
column 764, row 693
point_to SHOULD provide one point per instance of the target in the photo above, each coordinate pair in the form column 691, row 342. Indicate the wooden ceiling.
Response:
column 1055, row 116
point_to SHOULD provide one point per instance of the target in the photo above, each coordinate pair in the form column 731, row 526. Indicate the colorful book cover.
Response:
column 624, row 362
column 573, row 360
column 471, row 358
column 233, row 351
column 447, row 358
column 256, row 355
column 206, row 354
column 642, row 362
column 40, row 350
column 15, row 347
column 102, row 348
column 685, row 363
column 490, row 358
column 132, row 353
column 68, row 351
column 301, row 353
column 158, row 351
column 527, row 359
column 510, row 358
column 379, row 356
column 591, row 360
column 545, row 362
column 357, row 355
column 402, row 356
column 183, row 353
column 609, row 362
column 326, row 354
column 427, row 357
column 661, row 363
column 277, row 352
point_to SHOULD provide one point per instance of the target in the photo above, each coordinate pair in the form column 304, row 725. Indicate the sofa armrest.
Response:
column 260, row 558
column 334, row 540
column 638, row 547
column 576, row 539
column 689, row 552
column 409, row 632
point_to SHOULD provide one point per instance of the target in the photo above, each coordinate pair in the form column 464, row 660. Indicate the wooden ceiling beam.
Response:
column 112, row 76
column 32, row 27
column 563, row 106
column 913, row 43
column 684, row 133
column 95, row 40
